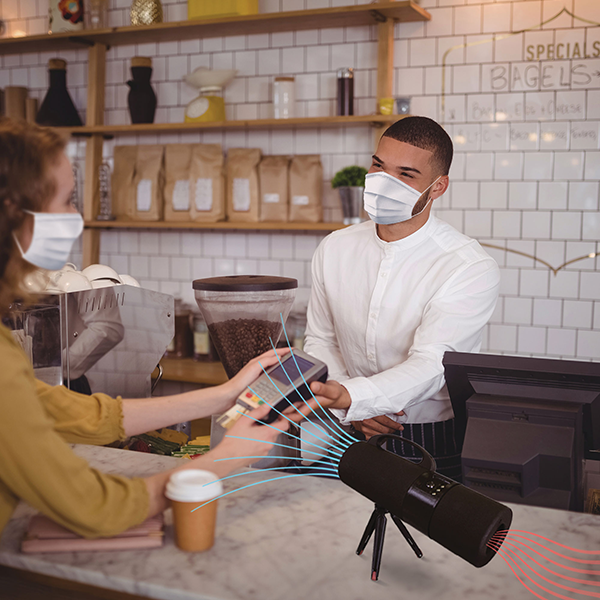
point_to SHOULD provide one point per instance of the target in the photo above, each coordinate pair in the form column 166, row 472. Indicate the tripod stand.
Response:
column 377, row 524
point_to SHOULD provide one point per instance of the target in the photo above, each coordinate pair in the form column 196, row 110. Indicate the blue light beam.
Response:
column 340, row 444
column 261, row 456
column 288, row 419
column 340, row 454
column 282, row 445
column 270, row 469
column 337, row 441
column 258, row 483
column 349, row 437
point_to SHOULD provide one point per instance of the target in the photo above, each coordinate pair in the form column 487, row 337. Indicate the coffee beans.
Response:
column 238, row 341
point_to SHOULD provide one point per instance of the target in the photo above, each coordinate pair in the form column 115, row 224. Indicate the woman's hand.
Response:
column 248, row 375
column 257, row 441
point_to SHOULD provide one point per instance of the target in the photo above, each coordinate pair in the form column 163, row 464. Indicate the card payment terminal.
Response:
column 281, row 385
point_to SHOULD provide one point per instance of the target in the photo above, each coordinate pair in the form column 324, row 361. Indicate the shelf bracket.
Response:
column 379, row 17
column 87, row 134
column 83, row 41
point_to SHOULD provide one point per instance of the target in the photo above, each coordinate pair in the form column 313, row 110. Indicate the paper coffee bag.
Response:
column 243, row 200
column 122, row 190
column 274, row 188
column 306, row 189
column 148, row 183
column 207, row 183
column 177, row 194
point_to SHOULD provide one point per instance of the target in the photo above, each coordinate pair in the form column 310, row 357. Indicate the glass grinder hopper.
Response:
column 243, row 314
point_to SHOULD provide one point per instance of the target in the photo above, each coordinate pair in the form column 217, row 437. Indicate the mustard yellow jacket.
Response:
column 37, row 422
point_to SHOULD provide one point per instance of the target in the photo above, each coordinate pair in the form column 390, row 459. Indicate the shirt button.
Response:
column 373, row 316
column 384, row 274
column 370, row 356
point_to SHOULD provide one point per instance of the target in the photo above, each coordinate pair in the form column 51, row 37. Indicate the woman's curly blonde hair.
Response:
column 27, row 154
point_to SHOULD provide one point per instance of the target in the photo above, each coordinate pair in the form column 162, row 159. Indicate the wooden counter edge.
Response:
column 191, row 371
column 19, row 584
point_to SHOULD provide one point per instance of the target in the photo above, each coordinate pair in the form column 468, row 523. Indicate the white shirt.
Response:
column 381, row 315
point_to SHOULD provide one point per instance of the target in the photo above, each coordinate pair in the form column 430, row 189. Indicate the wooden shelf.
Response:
column 191, row 371
column 300, row 123
column 381, row 15
column 345, row 16
column 219, row 225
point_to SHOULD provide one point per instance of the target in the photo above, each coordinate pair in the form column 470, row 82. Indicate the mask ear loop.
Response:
column 15, row 237
column 428, row 201
column 18, row 245
column 29, row 212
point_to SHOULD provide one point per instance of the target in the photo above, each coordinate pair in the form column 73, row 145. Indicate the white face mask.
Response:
column 388, row 200
column 53, row 237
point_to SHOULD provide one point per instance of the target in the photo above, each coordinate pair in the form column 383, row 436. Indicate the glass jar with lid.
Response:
column 182, row 345
column 203, row 349
column 284, row 97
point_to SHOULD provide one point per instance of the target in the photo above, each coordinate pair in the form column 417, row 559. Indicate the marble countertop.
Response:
column 289, row 539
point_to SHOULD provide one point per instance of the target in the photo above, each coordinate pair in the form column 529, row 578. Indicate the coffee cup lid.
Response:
column 193, row 485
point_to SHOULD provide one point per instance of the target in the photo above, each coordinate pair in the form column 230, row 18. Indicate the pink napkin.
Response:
column 44, row 535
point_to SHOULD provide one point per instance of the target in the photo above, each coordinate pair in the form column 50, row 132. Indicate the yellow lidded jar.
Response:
column 209, row 106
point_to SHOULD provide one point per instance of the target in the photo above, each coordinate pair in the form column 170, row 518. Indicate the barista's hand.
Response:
column 258, row 441
column 330, row 395
column 377, row 426
column 248, row 375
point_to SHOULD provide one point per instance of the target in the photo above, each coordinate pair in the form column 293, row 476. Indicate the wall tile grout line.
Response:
column 529, row 182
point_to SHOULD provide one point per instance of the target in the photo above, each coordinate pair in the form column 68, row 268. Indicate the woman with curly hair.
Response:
column 38, row 226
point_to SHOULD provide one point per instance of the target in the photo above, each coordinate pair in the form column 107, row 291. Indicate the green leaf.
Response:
column 349, row 177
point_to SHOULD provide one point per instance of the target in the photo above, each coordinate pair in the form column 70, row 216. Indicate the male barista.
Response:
column 391, row 295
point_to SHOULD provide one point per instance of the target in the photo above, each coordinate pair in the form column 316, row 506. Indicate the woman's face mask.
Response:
column 388, row 200
column 53, row 237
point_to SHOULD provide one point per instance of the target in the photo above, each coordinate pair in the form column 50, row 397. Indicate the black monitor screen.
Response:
column 524, row 426
column 535, row 379
column 290, row 368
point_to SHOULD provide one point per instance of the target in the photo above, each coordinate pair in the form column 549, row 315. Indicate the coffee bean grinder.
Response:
column 244, row 314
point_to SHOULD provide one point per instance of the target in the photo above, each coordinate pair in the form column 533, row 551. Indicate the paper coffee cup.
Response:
column 187, row 490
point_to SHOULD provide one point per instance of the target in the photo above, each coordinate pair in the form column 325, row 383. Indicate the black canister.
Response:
column 345, row 92
column 57, row 109
column 141, row 98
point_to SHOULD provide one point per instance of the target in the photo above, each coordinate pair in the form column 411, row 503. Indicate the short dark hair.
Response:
column 425, row 133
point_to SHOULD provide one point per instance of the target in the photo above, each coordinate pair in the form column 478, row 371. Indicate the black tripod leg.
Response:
column 378, row 546
column 366, row 536
column 409, row 538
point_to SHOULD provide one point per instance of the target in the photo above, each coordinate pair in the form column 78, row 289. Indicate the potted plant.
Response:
column 350, row 182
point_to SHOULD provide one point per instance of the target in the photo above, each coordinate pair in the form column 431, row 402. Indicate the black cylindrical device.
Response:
column 458, row 518
column 345, row 92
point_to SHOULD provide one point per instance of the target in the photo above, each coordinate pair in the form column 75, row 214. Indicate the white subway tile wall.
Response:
column 523, row 111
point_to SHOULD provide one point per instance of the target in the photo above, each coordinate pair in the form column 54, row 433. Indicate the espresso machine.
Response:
column 108, row 339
